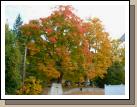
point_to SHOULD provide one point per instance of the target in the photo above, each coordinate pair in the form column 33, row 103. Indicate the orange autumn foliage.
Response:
column 72, row 46
column 32, row 48
column 48, row 70
column 52, row 39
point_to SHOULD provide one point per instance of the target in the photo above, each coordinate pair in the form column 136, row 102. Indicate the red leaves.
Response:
column 35, row 27
column 48, row 30
column 85, row 48
column 53, row 39
column 81, row 29
column 67, row 9
column 85, row 43
column 67, row 13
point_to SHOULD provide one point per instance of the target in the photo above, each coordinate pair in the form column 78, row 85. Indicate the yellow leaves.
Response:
column 32, row 48
column 118, row 52
column 100, row 43
column 67, row 64
column 91, row 74
column 31, row 86
column 52, row 72
column 48, row 70
column 81, row 79
column 62, row 51
column 41, row 66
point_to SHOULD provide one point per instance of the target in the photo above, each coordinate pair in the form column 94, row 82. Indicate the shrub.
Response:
column 31, row 87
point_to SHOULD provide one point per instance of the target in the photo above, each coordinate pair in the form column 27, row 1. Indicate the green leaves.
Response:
column 12, row 63
column 116, row 74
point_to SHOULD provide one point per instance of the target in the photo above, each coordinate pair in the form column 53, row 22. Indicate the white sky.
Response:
column 112, row 16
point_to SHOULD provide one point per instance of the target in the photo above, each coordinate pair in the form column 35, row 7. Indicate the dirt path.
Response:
column 85, row 91
column 56, row 89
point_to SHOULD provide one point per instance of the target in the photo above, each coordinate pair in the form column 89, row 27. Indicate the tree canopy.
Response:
column 62, row 45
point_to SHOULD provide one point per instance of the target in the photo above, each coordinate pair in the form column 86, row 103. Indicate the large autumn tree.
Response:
column 99, row 44
column 60, row 46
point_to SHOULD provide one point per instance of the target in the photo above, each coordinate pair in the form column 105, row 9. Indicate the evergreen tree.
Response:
column 21, row 42
column 12, row 63
column 17, row 25
column 116, row 74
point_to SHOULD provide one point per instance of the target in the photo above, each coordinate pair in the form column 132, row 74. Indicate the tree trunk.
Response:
column 24, row 66
column 60, row 78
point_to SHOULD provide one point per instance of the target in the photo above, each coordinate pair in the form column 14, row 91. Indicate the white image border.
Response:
column 3, row 96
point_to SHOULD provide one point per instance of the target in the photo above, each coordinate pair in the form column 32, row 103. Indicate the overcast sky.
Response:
column 112, row 16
